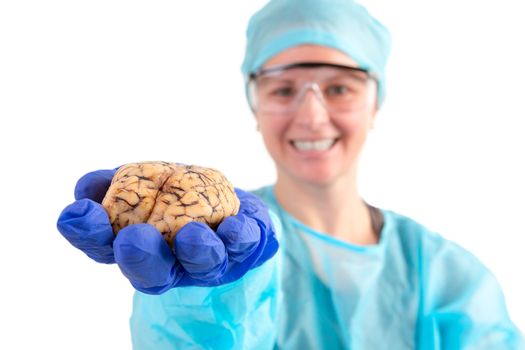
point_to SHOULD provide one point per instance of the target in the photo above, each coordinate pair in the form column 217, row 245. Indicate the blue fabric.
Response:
column 199, row 256
column 413, row 290
column 341, row 24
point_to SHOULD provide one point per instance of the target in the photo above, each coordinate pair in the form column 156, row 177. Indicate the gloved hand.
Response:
column 199, row 256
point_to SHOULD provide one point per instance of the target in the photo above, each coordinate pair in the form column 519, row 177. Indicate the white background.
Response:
column 87, row 85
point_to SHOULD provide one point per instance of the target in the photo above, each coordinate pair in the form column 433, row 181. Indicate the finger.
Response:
column 270, row 248
column 254, row 207
column 94, row 185
column 241, row 235
column 85, row 224
column 200, row 251
column 249, row 202
column 146, row 259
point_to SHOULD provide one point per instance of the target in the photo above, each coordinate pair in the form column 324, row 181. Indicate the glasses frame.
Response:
column 283, row 67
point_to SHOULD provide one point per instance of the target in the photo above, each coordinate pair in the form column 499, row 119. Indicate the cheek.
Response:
column 271, row 127
column 354, row 133
column 272, row 132
column 350, row 125
column 356, row 123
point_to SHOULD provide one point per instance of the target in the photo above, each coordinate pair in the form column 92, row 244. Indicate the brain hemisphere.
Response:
column 168, row 196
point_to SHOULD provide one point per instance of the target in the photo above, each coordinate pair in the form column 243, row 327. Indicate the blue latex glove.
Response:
column 199, row 256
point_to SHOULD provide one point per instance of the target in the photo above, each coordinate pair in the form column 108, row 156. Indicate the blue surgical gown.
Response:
column 413, row 290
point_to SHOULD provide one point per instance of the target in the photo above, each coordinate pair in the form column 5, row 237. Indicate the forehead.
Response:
column 310, row 53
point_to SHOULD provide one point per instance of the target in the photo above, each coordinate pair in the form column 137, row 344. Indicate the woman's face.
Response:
column 309, row 143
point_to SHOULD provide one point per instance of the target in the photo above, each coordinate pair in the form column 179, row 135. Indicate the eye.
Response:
column 284, row 91
column 337, row 90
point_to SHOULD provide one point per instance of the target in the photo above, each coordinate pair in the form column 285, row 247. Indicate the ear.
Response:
column 372, row 119
column 257, row 124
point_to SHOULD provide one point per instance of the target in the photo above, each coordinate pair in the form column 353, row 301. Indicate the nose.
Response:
column 310, row 109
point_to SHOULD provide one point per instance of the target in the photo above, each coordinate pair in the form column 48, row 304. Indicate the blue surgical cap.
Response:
column 341, row 24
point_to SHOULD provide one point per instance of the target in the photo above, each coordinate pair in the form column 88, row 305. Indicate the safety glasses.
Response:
column 340, row 89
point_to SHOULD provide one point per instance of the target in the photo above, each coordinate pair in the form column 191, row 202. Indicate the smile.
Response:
column 318, row 145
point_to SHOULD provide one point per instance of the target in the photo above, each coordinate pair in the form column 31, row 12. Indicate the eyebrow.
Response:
column 285, row 67
column 262, row 80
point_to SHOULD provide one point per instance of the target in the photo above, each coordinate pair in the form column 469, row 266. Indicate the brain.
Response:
column 167, row 196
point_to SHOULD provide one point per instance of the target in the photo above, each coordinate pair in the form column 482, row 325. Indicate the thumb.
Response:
column 146, row 259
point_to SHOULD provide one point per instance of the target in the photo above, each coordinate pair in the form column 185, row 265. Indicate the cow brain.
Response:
column 168, row 196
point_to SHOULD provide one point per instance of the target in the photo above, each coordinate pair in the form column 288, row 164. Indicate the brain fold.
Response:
column 168, row 196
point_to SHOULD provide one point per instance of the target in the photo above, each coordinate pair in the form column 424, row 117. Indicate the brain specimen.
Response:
column 168, row 195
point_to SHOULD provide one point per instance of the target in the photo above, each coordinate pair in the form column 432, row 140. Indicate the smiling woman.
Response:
column 315, row 136
column 349, row 275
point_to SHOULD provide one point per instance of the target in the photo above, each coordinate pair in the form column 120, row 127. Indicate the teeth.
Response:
column 320, row 145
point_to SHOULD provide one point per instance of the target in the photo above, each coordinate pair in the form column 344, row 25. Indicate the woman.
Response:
column 347, row 275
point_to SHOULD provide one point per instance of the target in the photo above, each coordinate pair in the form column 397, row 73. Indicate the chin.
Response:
column 316, row 178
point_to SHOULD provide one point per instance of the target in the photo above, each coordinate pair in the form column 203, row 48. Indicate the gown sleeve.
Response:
column 238, row 315
column 463, row 305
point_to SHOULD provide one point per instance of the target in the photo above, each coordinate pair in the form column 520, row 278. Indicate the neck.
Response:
column 335, row 209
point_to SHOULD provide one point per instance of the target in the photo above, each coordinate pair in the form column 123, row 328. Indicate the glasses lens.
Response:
column 340, row 89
